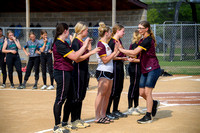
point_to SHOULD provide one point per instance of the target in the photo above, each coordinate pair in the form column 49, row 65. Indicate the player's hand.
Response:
column 28, row 54
column 45, row 40
column 13, row 51
column 14, row 38
column 96, row 50
column 50, row 51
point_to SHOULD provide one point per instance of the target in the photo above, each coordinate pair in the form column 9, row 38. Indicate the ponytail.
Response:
column 152, row 35
column 79, row 28
column 60, row 28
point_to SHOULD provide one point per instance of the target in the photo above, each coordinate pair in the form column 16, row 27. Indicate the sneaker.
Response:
column 77, row 124
column 43, row 87
column 51, row 87
column 35, row 86
column 3, row 86
column 144, row 120
column 133, row 111
column 68, row 126
column 140, row 110
column 156, row 103
column 85, row 123
column 12, row 86
column 59, row 129
column 24, row 86
column 112, row 116
column 20, row 87
column 119, row 114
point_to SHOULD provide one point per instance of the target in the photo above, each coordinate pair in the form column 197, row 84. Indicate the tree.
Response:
column 153, row 16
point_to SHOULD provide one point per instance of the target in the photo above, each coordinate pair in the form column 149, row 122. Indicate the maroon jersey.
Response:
column 61, row 50
column 148, row 59
column 112, row 46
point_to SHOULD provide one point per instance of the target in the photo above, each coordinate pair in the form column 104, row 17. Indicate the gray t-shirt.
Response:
column 32, row 47
column 48, row 44
column 11, row 45
column 1, row 42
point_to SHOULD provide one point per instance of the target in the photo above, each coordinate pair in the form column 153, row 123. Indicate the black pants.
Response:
column 33, row 61
column 133, row 93
column 81, row 81
column 46, row 62
column 64, row 85
column 14, row 60
column 118, row 81
column 3, row 67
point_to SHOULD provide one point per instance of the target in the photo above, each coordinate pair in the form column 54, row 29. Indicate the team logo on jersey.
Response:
column 108, row 48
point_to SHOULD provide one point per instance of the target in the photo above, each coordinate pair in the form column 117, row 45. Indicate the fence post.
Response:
column 196, row 45
column 164, row 42
column 154, row 29
column 181, row 58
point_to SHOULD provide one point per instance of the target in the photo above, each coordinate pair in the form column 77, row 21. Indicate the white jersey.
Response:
column 105, row 51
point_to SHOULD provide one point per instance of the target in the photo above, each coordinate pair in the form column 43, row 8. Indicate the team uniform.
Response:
column 118, row 71
column 34, row 60
column 134, row 73
column 2, row 62
column 104, row 70
column 150, row 67
column 46, row 59
column 63, row 76
column 13, row 60
column 80, row 79
column 150, row 71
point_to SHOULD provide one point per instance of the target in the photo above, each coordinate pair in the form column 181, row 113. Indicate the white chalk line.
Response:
column 175, row 78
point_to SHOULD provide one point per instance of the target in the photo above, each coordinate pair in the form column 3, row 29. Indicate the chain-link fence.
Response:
column 177, row 45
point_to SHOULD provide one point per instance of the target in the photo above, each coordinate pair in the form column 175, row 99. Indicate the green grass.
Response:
column 191, row 67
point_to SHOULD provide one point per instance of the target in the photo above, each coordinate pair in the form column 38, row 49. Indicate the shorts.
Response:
column 104, row 74
column 149, row 79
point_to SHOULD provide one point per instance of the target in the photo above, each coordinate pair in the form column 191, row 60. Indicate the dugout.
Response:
column 49, row 13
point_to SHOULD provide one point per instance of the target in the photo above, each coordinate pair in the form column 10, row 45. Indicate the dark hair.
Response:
column 42, row 32
column 1, row 29
column 60, row 28
column 31, row 33
column 146, row 24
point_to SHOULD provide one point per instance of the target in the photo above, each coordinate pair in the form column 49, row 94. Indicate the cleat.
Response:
column 144, row 120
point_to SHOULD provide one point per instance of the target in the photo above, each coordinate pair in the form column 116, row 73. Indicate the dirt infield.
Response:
column 31, row 111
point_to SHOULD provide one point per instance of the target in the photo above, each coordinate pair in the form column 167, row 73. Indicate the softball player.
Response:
column 34, row 59
column 150, row 68
column 80, row 74
column 118, row 66
column 104, row 74
column 63, row 56
column 46, row 58
column 10, row 47
column 2, row 59
column 134, row 73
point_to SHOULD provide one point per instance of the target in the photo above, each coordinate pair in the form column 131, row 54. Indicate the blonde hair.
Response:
column 103, row 29
column 79, row 28
column 146, row 24
column 9, row 31
column 42, row 32
column 115, row 28
column 136, row 36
